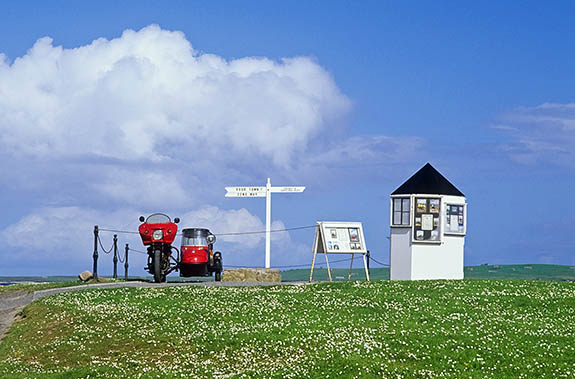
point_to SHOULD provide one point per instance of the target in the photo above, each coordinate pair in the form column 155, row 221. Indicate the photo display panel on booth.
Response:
column 455, row 219
column 343, row 238
column 426, row 219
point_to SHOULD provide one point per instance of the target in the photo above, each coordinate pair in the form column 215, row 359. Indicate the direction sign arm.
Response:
column 287, row 189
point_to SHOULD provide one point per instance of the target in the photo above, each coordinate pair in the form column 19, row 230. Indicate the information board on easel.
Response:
column 339, row 238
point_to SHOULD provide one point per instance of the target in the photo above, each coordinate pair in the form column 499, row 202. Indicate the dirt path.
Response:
column 10, row 304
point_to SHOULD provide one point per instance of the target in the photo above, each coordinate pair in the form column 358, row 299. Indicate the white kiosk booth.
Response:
column 428, row 225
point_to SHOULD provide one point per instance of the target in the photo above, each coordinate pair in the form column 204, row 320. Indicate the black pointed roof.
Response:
column 428, row 181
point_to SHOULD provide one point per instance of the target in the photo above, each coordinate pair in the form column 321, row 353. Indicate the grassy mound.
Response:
column 413, row 329
column 31, row 286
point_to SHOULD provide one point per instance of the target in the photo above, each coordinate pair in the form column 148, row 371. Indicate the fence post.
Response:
column 95, row 255
column 115, row 256
column 126, row 263
column 368, row 254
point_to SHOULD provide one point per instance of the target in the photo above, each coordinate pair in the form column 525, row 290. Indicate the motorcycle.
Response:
column 158, row 233
column 198, row 258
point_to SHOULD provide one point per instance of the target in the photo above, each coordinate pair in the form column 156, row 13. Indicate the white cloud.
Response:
column 53, row 228
column 130, row 118
column 146, row 189
column 226, row 223
column 369, row 149
column 542, row 133
column 357, row 158
column 65, row 234
column 99, row 133
column 66, row 231
column 133, row 96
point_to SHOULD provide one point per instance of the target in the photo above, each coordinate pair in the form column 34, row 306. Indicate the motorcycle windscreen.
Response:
column 194, row 241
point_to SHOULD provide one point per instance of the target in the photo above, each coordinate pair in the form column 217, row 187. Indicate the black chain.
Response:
column 261, row 232
column 102, row 246
column 378, row 262
column 290, row 266
column 284, row 266
column 221, row 234
column 237, row 234
column 118, row 231
column 137, row 251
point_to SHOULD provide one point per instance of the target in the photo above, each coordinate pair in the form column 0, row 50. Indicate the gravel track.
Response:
column 10, row 304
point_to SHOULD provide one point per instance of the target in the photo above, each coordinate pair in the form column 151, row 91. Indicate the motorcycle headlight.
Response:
column 157, row 235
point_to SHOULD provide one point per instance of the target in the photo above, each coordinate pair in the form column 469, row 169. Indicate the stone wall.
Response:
column 252, row 275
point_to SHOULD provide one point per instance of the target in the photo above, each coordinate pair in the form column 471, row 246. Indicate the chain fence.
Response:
column 117, row 257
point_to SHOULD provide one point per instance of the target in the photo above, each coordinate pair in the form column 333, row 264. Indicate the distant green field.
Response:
column 337, row 274
column 526, row 271
column 469, row 328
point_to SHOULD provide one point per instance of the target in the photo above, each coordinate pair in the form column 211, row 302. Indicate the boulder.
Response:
column 85, row 276
column 252, row 275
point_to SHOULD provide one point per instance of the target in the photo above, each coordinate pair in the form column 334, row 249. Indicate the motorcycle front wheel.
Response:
column 157, row 267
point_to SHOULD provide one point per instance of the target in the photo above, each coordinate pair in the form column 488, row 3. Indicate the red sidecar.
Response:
column 197, row 256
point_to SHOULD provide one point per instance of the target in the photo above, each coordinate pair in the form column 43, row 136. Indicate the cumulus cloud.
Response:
column 227, row 224
column 158, row 116
column 65, row 234
column 62, row 230
column 369, row 149
column 149, row 95
column 145, row 123
column 52, row 228
column 146, row 189
column 543, row 133
column 59, row 241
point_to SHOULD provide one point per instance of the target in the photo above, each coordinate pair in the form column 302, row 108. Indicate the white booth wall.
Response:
column 413, row 260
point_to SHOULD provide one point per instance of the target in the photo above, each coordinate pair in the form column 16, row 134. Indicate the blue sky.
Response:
column 484, row 92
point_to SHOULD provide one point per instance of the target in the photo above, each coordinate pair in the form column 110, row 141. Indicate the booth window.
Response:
column 426, row 220
column 455, row 219
column 401, row 211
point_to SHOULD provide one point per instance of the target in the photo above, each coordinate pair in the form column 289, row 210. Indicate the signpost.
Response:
column 267, row 193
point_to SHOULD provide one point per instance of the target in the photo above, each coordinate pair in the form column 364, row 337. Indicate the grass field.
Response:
column 474, row 328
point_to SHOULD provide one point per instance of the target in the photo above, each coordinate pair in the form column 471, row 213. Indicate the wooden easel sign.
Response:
column 339, row 238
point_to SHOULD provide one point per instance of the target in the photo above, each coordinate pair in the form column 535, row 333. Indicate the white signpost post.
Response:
column 267, row 193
